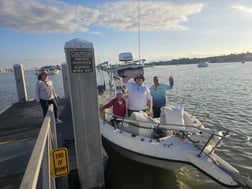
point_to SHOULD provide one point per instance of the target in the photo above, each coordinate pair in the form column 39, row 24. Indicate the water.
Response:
column 8, row 91
column 224, row 89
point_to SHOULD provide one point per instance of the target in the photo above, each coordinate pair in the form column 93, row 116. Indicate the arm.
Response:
column 108, row 105
column 126, row 79
column 54, row 92
column 149, row 104
column 149, row 101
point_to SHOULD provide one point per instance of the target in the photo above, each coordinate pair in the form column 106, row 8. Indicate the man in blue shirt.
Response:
column 158, row 93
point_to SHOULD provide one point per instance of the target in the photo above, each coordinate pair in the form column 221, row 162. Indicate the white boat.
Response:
column 172, row 141
column 52, row 70
column 203, row 64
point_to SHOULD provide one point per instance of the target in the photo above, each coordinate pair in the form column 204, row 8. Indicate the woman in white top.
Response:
column 46, row 95
column 139, row 96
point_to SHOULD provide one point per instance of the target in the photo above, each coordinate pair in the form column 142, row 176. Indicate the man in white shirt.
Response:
column 139, row 97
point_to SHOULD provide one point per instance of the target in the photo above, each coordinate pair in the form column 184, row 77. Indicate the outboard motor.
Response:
column 101, row 89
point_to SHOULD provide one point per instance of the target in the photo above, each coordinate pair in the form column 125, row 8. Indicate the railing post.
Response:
column 84, row 104
column 20, row 82
column 45, row 169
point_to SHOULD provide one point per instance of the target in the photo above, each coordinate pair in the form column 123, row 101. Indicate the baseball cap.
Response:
column 119, row 91
column 44, row 72
column 140, row 76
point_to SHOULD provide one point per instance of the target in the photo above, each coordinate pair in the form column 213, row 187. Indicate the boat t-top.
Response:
column 51, row 70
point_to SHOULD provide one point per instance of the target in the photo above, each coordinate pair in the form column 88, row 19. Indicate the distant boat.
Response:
column 52, row 70
column 203, row 64
column 243, row 62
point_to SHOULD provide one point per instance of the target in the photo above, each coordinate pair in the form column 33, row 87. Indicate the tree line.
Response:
column 242, row 57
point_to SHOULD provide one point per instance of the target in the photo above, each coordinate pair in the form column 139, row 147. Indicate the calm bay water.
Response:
column 8, row 91
column 224, row 89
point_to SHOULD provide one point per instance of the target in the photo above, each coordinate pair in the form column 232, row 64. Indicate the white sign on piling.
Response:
column 84, row 104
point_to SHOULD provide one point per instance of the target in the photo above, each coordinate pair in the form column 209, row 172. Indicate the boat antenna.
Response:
column 138, row 14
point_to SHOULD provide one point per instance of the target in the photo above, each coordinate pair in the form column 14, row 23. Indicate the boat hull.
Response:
column 169, row 153
column 149, row 160
column 203, row 64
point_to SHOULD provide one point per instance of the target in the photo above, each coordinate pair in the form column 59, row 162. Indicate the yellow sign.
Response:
column 59, row 165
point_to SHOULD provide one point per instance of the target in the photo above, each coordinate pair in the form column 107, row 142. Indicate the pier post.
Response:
column 84, row 104
column 65, row 80
column 20, row 82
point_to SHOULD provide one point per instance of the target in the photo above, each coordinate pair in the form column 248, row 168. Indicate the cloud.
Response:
column 242, row 8
column 34, row 16
column 154, row 16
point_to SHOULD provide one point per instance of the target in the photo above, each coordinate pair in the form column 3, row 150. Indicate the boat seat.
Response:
column 141, row 119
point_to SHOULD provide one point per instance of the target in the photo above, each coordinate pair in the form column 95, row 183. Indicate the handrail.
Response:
column 168, row 126
column 244, row 137
column 37, row 170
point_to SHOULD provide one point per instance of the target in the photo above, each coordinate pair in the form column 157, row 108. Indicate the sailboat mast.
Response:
column 138, row 13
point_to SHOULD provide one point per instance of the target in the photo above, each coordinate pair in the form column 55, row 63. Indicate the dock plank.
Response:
column 21, row 121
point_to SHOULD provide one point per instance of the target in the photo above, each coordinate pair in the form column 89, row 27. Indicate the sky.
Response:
column 33, row 32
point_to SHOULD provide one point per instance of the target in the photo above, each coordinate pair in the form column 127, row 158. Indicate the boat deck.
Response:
column 20, row 126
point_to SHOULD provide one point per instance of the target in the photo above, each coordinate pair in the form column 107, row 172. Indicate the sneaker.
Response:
column 58, row 121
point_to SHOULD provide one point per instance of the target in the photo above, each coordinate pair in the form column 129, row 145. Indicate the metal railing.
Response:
column 37, row 173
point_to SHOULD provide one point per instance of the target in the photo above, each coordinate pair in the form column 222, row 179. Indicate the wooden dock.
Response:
column 19, row 127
